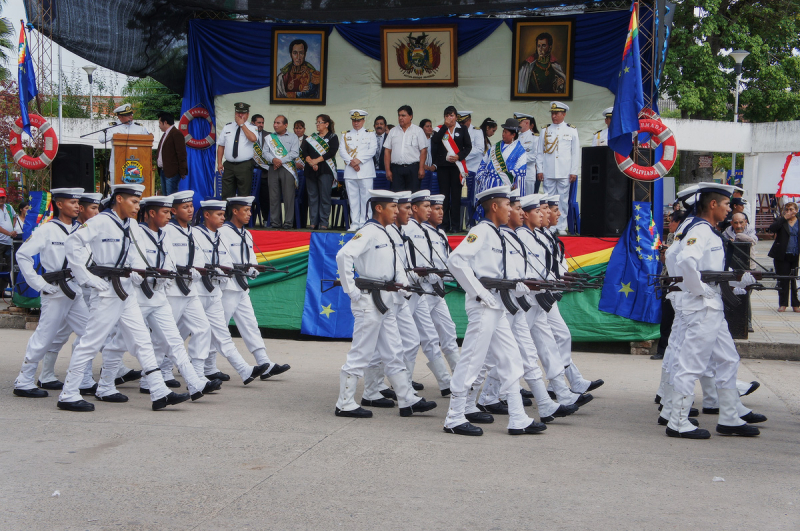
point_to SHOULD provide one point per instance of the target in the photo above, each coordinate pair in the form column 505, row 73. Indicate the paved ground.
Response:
column 273, row 456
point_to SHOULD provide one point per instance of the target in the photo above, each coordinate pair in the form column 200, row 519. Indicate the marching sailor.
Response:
column 125, row 126
column 357, row 150
column 600, row 138
column 559, row 158
column 529, row 138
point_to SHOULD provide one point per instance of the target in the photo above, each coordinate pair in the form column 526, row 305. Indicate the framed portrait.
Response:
column 300, row 65
column 419, row 56
column 542, row 59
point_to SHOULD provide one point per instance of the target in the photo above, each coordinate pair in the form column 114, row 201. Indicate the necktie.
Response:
column 236, row 142
column 378, row 152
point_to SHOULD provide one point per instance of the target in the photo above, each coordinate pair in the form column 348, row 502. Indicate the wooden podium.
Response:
column 133, row 161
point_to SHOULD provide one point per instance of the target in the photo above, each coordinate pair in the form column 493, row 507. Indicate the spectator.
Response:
column 171, row 159
column 489, row 128
column 427, row 127
column 320, row 149
column 19, row 221
column 380, row 136
column 784, row 253
column 235, row 153
column 740, row 230
column 300, row 130
column 258, row 121
column 7, row 233
column 405, row 153
column 738, row 194
column 448, row 172
column 283, row 150
column 263, row 190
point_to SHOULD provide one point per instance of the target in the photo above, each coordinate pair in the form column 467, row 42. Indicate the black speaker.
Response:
column 605, row 194
column 73, row 167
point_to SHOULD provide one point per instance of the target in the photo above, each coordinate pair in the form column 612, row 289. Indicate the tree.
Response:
column 7, row 47
column 149, row 97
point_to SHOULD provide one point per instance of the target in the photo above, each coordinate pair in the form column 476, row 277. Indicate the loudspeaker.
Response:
column 73, row 167
column 605, row 194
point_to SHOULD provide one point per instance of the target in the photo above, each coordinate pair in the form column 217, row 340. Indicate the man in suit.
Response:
column 172, row 165
column 380, row 136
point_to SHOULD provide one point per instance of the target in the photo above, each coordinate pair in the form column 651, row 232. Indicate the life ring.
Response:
column 188, row 116
column 661, row 135
column 50, row 144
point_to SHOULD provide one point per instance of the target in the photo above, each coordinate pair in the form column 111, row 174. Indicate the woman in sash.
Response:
column 504, row 164
column 320, row 151
column 450, row 145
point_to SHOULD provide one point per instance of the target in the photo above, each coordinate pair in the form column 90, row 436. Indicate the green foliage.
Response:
column 8, row 48
column 149, row 97
column 701, row 80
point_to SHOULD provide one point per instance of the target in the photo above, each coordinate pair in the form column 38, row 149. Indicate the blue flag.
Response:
column 26, row 79
column 626, row 289
column 326, row 314
column 629, row 99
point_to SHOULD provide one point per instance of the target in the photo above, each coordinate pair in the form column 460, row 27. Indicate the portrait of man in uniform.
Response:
column 542, row 59
column 300, row 56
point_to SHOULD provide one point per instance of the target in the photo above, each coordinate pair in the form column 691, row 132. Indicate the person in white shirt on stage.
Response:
column 600, row 138
column 405, row 153
column 529, row 138
column 124, row 126
column 559, row 159
column 357, row 150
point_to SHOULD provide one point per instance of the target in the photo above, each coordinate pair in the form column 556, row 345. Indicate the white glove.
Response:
column 49, row 289
column 708, row 292
column 412, row 277
column 252, row 272
column 220, row 280
column 168, row 283
column 747, row 280
column 196, row 276
column 487, row 299
column 95, row 282
column 136, row 278
column 739, row 291
column 403, row 293
column 355, row 296
column 521, row 290
column 433, row 278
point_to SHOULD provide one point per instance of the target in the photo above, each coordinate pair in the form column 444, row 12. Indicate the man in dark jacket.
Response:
column 172, row 165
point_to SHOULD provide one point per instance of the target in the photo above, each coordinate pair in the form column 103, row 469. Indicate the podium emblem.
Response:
column 133, row 172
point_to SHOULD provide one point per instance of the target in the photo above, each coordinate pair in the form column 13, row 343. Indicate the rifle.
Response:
column 425, row 271
column 210, row 271
column 260, row 268
column 114, row 274
column 240, row 271
column 60, row 278
column 374, row 287
column 184, row 275
column 723, row 279
column 504, row 286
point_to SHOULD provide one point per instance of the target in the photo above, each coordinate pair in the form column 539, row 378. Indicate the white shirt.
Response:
column 535, row 253
column 228, row 137
column 480, row 254
column 530, row 142
column 182, row 241
column 7, row 223
column 205, row 241
column 148, row 242
column 358, row 144
column 559, row 154
column 130, row 128
column 476, row 153
column 699, row 250
column 291, row 147
column 161, row 146
column 239, row 244
column 600, row 138
column 48, row 242
column 406, row 145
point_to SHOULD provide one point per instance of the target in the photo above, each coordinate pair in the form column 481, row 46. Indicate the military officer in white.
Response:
column 559, row 159
column 124, row 126
column 475, row 156
column 600, row 138
column 529, row 138
column 357, row 150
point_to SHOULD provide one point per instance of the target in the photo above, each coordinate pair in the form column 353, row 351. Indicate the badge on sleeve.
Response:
column 471, row 238
column 357, row 236
column 691, row 241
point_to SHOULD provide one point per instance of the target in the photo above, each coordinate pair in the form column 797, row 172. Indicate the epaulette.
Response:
column 345, row 132
column 229, row 123
column 476, row 128
column 535, row 134
column 598, row 132
column 370, row 130
column 572, row 126
column 137, row 123
column 112, row 124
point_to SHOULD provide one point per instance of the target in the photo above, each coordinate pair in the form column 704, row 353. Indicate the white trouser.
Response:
column 191, row 319
column 487, row 326
column 428, row 337
column 446, row 328
column 676, row 335
column 561, row 188
column 409, row 340
column 357, row 197
column 55, row 311
column 530, row 179
column 236, row 305
column 221, row 340
column 106, row 313
column 707, row 339
column 563, row 338
column 48, row 373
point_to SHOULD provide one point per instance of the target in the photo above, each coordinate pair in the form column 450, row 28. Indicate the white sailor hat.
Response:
column 498, row 192
column 437, row 199
column 689, row 201
column 552, row 200
column 686, row 191
column 130, row 189
column 382, row 196
column 608, row 112
column 105, row 201
column 463, row 115
column 421, row 195
column 241, row 201
column 358, row 114
column 93, row 198
column 124, row 110
column 514, row 195
column 522, row 116
column 212, row 204
column 717, row 188
column 543, row 199
column 530, row 201
column 557, row 106
column 66, row 193
column 403, row 197
column 184, row 196
column 157, row 201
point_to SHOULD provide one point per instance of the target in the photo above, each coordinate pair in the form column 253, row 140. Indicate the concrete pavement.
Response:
column 273, row 456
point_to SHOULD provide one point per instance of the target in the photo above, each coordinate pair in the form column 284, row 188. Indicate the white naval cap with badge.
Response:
column 129, row 189
column 213, row 204
column 420, row 196
column 93, row 198
column 608, row 112
column 437, row 199
column 557, row 106
column 463, row 116
column 497, row 192
column 67, row 193
column 184, row 196
column 358, row 114
column 522, row 116
column 126, row 109
column 403, row 197
column 382, row 196
column 157, row 201
column 241, row 201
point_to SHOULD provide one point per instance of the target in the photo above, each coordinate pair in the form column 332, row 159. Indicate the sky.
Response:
column 14, row 10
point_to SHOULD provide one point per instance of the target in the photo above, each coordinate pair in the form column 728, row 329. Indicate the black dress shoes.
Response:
column 562, row 411
column 464, row 429
column 417, row 386
column 753, row 418
column 745, row 430
column 357, row 413
column 445, row 392
column 584, row 399
column 693, row 412
column 710, row 411
column 276, row 370
column 381, row 402
column 663, row 422
column 390, row 394
column 129, row 376
column 144, row 391
column 525, row 393
column 495, row 409
column 31, row 393
column 552, row 395
column 594, row 385
column 172, row 384
column 210, row 387
column 657, row 400
column 88, row 391
column 219, row 375
column 533, row 427
column 52, row 386
column 479, row 417
column 419, row 407
column 258, row 370
column 170, row 400
column 753, row 386
column 80, row 405
column 699, row 433
column 116, row 397
column 525, row 402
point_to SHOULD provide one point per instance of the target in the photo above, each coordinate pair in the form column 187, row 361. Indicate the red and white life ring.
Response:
column 50, row 144
column 188, row 116
column 660, row 134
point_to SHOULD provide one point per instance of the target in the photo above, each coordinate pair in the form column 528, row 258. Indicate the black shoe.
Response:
column 479, row 418
column 753, row 386
column 80, row 405
column 144, row 391
column 116, row 397
column 525, row 402
column 219, row 375
column 710, row 411
column 693, row 412
column 699, row 433
column 417, row 386
column 31, row 393
column 465, row 429
column 657, row 400
column 212, row 385
column 594, row 385
column 276, row 370
column 358, row 413
column 495, row 409
column 445, row 392
column 258, row 370
column 170, row 400
column 584, row 399
column 129, row 376
column 663, row 422
column 745, row 430
column 88, row 391
column 388, row 393
column 753, row 418
column 53, row 386
column 381, row 402
column 418, row 407
column 552, row 395
column 533, row 427
column 525, row 393
column 562, row 411
column 657, row 356
column 172, row 384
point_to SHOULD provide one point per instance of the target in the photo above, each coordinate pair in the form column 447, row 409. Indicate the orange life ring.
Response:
column 661, row 134
column 188, row 116
column 50, row 144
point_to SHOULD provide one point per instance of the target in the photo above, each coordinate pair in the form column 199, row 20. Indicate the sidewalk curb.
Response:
column 767, row 351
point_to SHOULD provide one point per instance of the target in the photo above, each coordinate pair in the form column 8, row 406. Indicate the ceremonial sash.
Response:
column 258, row 156
column 277, row 147
column 499, row 162
column 322, row 147
column 452, row 149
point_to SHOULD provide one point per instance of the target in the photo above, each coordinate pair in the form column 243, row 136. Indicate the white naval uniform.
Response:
column 559, row 157
column 106, row 237
column 475, row 156
column 530, row 141
column 371, row 253
column 215, row 253
column 59, row 314
column 130, row 128
column 440, row 313
column 481, row 255
column 358, row 144
column 600, row 138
